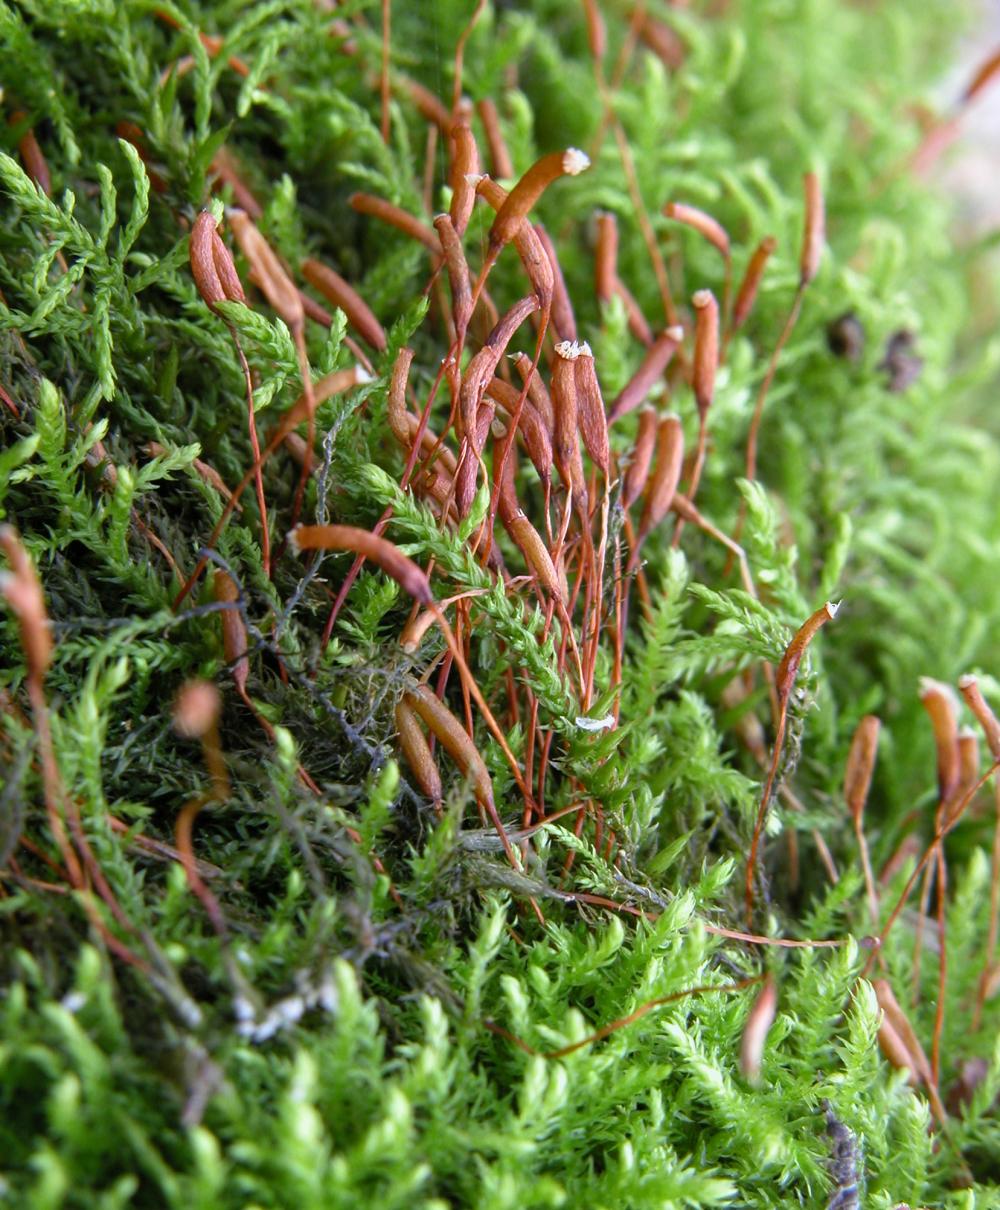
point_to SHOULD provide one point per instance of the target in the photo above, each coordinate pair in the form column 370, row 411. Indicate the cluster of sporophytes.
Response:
column 436, row 770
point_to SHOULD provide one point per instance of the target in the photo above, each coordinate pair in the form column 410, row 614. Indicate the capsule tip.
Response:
column 574, row 161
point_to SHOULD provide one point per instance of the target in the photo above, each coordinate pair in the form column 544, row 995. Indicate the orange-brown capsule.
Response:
column 562, row 308
column 706, row 349
column 538, row 392
column 502, row 332
column 814, row 234
column 784, row 678
column 399, row 567
column 234, row 633
column 525, row 536
column 529, row 247
column 942, row 709
column 484, row 421
column 861, row 766
column 334, row 383
column 530, row 426
column 532, row 546
column 466, row 479
column 337, row 291
column 968, row 771
column 755, row 1031
column 606, row 257
column 225, row 266
column 417, row 753
column 23, row 592
column 662, row 486
column 565, row 436
column 458, row 271
column 429, row 105
column 701, row 222
column 530, row 188
column 899, row 1025
column 483, row 365
column 969, row 688
column 437, row 488
column 201, row 252
column 590, row 410
column 747, row 293
column 196, row 708
column 413, row 633
column 642, row 457
column 468, row 466
column 463, row 175
column 608, row 284
column 638, row 325
column 267, row 271
column 395, row 216
column 895, row 1050
column 653, row 365
column 500, row 162
column 452, row 736
column 396, row 411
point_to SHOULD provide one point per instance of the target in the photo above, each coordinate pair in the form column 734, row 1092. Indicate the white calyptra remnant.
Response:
column 596, row 724
column 575, row 161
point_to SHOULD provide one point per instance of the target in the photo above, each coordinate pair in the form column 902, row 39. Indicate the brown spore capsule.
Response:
column 530, row 188
column 651, row 368
column 746, row 296
column 338, row 292
column 591, row 414
column 500, row 162
column 703, row 223
column 861, row 766
column 662, row 485
column 706, row 349
column 463, row 174
column 814, row 235
column 399, row 567
column 417, row 753
column 642, row 457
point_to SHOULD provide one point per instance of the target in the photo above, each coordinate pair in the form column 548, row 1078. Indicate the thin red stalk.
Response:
column 942, row 886
column 784, row 681
column 994, row 925
column 258, row 481
column 613, row 1026
column 384, row 68
column 947, row 823
column 463, row 37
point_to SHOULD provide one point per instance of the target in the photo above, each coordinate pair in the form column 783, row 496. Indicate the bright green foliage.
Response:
column 335, row 1049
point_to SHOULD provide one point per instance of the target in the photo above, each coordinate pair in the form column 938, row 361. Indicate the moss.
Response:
column 371, row 1025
